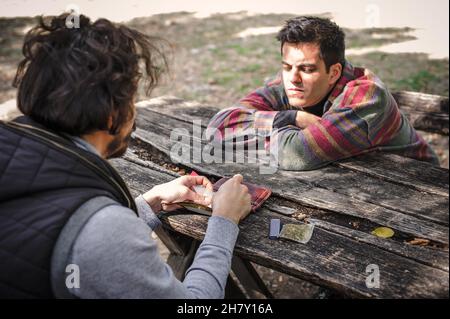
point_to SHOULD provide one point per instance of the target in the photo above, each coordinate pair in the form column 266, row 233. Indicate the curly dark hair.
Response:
column 321, row 31
column 72, row 79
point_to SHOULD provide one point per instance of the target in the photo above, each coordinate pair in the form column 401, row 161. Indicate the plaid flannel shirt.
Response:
column 360, row 116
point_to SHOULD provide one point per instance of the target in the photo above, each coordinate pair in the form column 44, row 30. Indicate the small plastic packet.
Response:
column 300, row 233
column 199, row 189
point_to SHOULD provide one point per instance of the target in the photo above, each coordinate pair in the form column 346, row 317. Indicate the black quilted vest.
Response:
column 44, row 178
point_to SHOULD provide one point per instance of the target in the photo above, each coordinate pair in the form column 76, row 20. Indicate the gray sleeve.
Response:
column 146, row 213
column 117, row 258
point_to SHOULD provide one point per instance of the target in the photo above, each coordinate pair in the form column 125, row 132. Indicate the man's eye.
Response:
column 287, row 67
column 308, row 70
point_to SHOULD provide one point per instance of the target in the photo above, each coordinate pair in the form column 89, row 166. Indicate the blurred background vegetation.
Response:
column 212, row 64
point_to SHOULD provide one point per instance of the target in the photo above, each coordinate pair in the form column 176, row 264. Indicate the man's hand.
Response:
column 165, row 196
column 305, row 119
column 232, row 201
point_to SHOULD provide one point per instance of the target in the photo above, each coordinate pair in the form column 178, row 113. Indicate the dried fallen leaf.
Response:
column 419, row 242
column 355, row 224
column 383, row 232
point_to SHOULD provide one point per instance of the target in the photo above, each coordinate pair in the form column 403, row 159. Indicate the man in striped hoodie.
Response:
column 319, row 108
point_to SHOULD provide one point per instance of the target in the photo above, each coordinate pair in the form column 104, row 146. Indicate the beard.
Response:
column 118, row 146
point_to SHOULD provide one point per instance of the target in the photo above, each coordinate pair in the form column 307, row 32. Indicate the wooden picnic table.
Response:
column 344, row 200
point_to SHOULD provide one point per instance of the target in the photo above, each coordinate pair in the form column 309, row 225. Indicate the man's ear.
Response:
column 335, row 73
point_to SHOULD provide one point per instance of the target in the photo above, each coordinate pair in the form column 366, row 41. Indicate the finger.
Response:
column 249, row 199
column 197, row 180
column 232, row 182
column 238, row 178
column 206, row 183
column 171, row 207
column 208, row 200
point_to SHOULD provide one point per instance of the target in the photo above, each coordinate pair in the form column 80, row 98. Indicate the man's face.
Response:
column 119, row 144
column 306, row 81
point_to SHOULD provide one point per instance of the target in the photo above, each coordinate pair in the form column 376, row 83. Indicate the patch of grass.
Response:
column 250, row 85
column 226, row 78
column 209, row 64
column 241, row 50
column 219, row 53
column 407, row 71
column 251, row 68
column 418, row 81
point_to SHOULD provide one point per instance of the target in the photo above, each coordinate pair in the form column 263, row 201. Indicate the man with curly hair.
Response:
column 63, row 208
column 319, row 108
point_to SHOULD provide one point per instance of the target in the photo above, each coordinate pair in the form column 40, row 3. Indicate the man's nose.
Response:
column 295, row 77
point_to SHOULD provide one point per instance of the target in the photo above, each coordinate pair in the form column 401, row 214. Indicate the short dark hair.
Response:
column 72, row 79
column 321, row 31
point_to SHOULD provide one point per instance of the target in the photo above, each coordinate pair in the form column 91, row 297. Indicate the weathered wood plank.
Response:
column 132, row 172
column 315, row 196
column 350, row 227
column 179, row 109
column 332, row 201
column 426, row 112
column 428, row 256
column 187, row 111
column 154, row 125
column 425, row 205
column 406, row 171
column 130, row 156
column 379, row 192
column 137, row 177
column 422, row 101
column 431, row 179
column 328, row 259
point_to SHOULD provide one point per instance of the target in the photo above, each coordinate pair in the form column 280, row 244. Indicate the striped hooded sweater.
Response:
column 360, row 115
